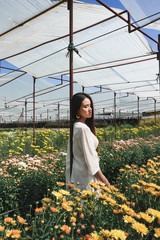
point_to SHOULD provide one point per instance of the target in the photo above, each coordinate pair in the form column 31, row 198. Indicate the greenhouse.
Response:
column 108, row 52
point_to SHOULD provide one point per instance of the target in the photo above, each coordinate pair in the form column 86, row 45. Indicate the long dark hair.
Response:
column 76, row 102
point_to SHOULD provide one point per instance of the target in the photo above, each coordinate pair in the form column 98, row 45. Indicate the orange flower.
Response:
column 81, row 215
column 70, row 185
column 16, row 234
column 37, row 210
column 75, row 214
column 21, row 220
column 2, row 228
column 66, row 229
column 77, row 189
column 54, row 209
column 102, row 196
column 60, row 184
column 9, row 220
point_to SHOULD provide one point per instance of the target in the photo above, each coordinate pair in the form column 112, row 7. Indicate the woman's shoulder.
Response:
column 81, row 127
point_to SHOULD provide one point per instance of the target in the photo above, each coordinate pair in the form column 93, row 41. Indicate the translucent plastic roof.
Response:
column 37, row 43
column 144, row 12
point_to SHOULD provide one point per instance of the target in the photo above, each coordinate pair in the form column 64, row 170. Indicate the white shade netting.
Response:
column 109, row 56
column 144, row 12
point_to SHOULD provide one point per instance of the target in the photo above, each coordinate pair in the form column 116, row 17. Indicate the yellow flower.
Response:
column 64, row 192
column 154, row 213
column 118, row 234
column 146, row 217
column 111, row 201
column 86, row 193
column 128, row 219
column 120, row 195
column 140, row 228
column 95, row 236
column 106, row 233
column 47, row 200
column 157, row 232
column 94, row 185
column 135, row 186
column 126, row 208
column 66, row 207
column 57, row 194
column 73, row 219
column 8, row 233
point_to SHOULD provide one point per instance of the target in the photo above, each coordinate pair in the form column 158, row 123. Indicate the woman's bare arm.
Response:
column 100, row 177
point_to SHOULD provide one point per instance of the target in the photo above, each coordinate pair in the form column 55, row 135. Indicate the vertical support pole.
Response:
column 155, row 114
column 115, row 117
column 82, row 89
column 138, row 107
column 70, row 8
column 158, row 58
column 47, row 115
column 26, row 114
column 58, row 115
column 34, row 84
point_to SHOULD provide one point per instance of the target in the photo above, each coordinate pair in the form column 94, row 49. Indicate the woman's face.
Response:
column 85, row 110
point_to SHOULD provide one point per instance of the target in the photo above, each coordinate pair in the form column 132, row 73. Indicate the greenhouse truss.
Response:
column 112, row 58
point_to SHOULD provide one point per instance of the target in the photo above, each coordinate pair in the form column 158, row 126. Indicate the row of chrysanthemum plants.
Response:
column 17, row 142
column 127, row 132
column 130, row 210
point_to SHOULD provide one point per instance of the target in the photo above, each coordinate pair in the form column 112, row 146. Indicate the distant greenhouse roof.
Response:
column 35, row 37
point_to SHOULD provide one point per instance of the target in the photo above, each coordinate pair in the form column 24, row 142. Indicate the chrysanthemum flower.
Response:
column 118, row 234
column 47, row 200
column 21, row 220
column 146, row 217
column 140, row 228
column 157, row 232
column 57, row 194
column 128, row 219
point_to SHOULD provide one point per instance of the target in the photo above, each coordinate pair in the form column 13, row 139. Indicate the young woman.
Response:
column 85, row 167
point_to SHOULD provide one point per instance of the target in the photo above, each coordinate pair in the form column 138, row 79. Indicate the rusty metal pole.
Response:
column 138, row 108
column 155, row 114
column 70, row 8
column 158, row 58
column 115, row 117
column 26, row 115
column 58, row 116
column 34, row 84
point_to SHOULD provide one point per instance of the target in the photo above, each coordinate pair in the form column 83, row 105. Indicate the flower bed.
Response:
column 126, row 211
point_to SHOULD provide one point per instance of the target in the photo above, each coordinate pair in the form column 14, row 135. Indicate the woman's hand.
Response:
column 100, row 177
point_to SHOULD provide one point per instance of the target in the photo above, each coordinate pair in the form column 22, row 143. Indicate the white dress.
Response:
column 85, row 157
